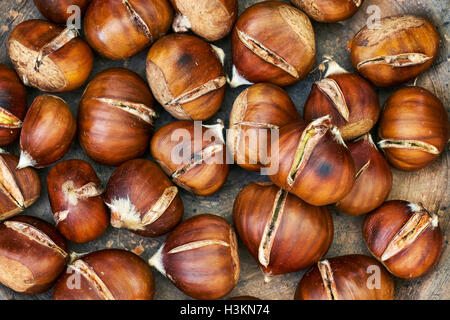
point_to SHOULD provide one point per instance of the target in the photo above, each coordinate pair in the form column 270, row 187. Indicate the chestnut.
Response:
column 399, row 50
column 350, row 277
column 210, row 19
column 48, row 57
column 328, row 10
column 413, row 128
column 75, row 195
column 200, row 257
column 186, row 76
column 19, row 189
column 110, row 274
column 405, row 237
column 282, row 232
column 350, row 100
column 47, row 132
column 32, row 254
column 119, row 29
column 257, row 111
column 373, row 179
column 142, row 199
column 59, row 11
column 13, row 105
column 193, row 155
column 313, row 162
column 259, row 44
column 244, row 298
column 116, row 117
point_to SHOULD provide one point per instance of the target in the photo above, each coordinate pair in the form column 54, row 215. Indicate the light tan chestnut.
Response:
column 329, row 10
column 200, row 257
column 257, row 111
column 47, row 132
column 32, row 254
column 210, row 19
column 19, row 189
column 373, row 179
column 272, row 42
column 186, row 76
column 48, row 57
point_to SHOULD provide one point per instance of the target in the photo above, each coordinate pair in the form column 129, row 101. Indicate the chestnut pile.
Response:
column 324, row 159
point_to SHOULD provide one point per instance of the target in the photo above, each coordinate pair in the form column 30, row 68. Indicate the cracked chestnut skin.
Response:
column 56, row 10
column 351, row 275
column 115, row 33
column 88, row 218
column 328, row 10
column 109, row 135
column 126, row 276
column 13, row 99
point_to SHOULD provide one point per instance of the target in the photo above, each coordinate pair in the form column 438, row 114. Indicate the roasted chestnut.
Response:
column 282, row 232
column 47, row 132
column 210, row 19
column 400, row 49
column 110, row 274
column 193, row 155
column 116, row 117
column 405, row 237
column 19, row 189
column 257, row 111
column 351, row 277
column 32, row 254
column 142, row 199
column 259, row 45
column 200, row 257
column 373, row 179
column 48, row 57
column 58, row 11
column 350, row 100
column 119, row 29
column 244, row 298
column 186, row 76
column 413, row 129
column 328, row 10
column 313, row 162
column 13, row 105
column 75, row 195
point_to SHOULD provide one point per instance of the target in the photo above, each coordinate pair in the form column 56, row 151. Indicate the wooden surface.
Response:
column 430, row 186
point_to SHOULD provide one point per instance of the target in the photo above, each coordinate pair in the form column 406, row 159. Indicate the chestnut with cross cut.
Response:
column 200, row 257
column 282, row 232
column 329, row 10
column 119, row 29
column 48, row 57
column 116, row 117
column 75, row 195
column 142, row 199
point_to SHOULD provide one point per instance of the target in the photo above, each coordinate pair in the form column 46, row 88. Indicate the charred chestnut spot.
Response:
column 92, row 278
column 324, row 170
column 137, row 20
column 185, row 60
column 408, row 144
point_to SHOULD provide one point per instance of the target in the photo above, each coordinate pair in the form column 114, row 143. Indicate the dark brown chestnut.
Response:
column 58, row 11
column 210, row 19
column 399, row 50
column 75, row 195
column 48, row 57
column 259, row 44
column 116, row 117
column 282, row 232
column 110, row 274
column 47, row 132
column 351, row 277
column 373, row 179
column 142, row 199
column 244, row 298
column 193, row 155
column 186, row 76
column 19, row 189
column 13, row 105
column 200, row 257
column 32, row 254
column 413, row 128
column 328, row 10
column 257, row 111
column 119, row 29
column 313, row 162
column 405, row 237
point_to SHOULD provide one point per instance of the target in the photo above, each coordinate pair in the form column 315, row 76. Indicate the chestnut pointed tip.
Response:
column 237, row 80
column 267, row 277
column 181, row 23
column 156, row 261
column 220, row 53
column 25, row 160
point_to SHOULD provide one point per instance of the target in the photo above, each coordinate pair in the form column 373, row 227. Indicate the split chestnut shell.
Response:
column 328, row 10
